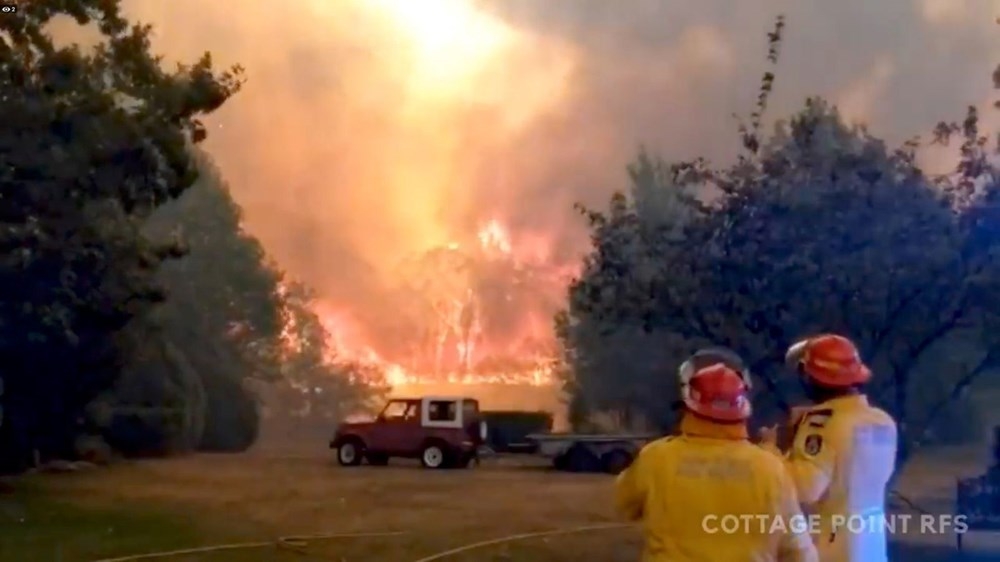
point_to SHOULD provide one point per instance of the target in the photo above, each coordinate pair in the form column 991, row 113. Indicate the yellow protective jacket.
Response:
column 842, row 456
column 709, row 495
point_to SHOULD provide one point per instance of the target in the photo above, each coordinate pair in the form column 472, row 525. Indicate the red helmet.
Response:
column 717, row 392
column 829, row 360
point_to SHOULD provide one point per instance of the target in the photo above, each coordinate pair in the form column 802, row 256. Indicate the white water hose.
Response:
column 291, row 543
column 522, row 536
column 298, row 542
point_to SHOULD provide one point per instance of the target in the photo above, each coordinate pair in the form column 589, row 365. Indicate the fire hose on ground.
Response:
column 520, row 537
column 293, row 543
column 299, row 543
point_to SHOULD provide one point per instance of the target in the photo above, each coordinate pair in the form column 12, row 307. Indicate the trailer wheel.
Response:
column 579, row 458
column 615, row 461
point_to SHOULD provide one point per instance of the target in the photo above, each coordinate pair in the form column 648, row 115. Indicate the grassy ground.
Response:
column 188, row 502
column 36, row 527
column 178, row 503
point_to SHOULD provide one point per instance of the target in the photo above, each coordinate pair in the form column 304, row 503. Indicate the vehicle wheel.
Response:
column 377, row 459
column 580, row 459
column 615, row 461
column 350, row 452
column 434, row 455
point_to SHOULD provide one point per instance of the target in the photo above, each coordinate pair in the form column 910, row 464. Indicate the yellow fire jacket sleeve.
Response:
column 810, row 462
column 630, row 490
column 795, row 544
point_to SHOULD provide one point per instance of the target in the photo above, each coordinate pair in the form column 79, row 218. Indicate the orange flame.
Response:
column 475, row 330
column 493, row 237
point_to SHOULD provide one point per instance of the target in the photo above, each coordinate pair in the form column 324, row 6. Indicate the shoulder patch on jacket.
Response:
column 813, row 444
column 818, row 418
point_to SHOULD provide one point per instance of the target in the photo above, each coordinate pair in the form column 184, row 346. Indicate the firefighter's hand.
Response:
column 768, row 435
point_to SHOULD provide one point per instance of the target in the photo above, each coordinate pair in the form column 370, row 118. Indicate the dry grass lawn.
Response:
column 187, row 502
column 184, row 502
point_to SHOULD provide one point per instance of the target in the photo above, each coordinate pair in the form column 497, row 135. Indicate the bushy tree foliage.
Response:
column 223, row 310
column 816, row 227
column 158, row 404
column 229, row 333
column 93, row 141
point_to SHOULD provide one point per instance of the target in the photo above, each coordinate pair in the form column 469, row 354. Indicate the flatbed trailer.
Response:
column 579, row 452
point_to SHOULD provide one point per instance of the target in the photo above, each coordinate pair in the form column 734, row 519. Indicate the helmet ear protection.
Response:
column 711, row 356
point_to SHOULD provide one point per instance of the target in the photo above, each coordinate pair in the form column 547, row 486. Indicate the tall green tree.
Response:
column 615, row 355
column 223, row 308
column 93, row 141
column 817, row 227
column 230, row 334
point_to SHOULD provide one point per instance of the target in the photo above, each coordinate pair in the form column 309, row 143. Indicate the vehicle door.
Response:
column 395, row 427
column 410, row 434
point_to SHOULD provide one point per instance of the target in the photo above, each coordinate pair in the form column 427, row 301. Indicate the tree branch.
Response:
column 901, row 370
column 988, row 362
column 881, row 335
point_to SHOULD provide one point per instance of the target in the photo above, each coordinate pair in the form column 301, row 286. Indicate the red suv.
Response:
column 441, row 432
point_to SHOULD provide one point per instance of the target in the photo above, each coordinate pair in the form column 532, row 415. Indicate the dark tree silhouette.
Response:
column 93, row 141
column 816, row 227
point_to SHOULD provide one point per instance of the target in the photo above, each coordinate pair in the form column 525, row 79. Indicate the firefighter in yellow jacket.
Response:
column 843, row 451
column 708, row 494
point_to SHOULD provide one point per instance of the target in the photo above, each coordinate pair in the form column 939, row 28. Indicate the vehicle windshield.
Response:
column 399, row 410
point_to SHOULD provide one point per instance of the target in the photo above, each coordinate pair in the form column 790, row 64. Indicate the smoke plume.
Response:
column 371, row 131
